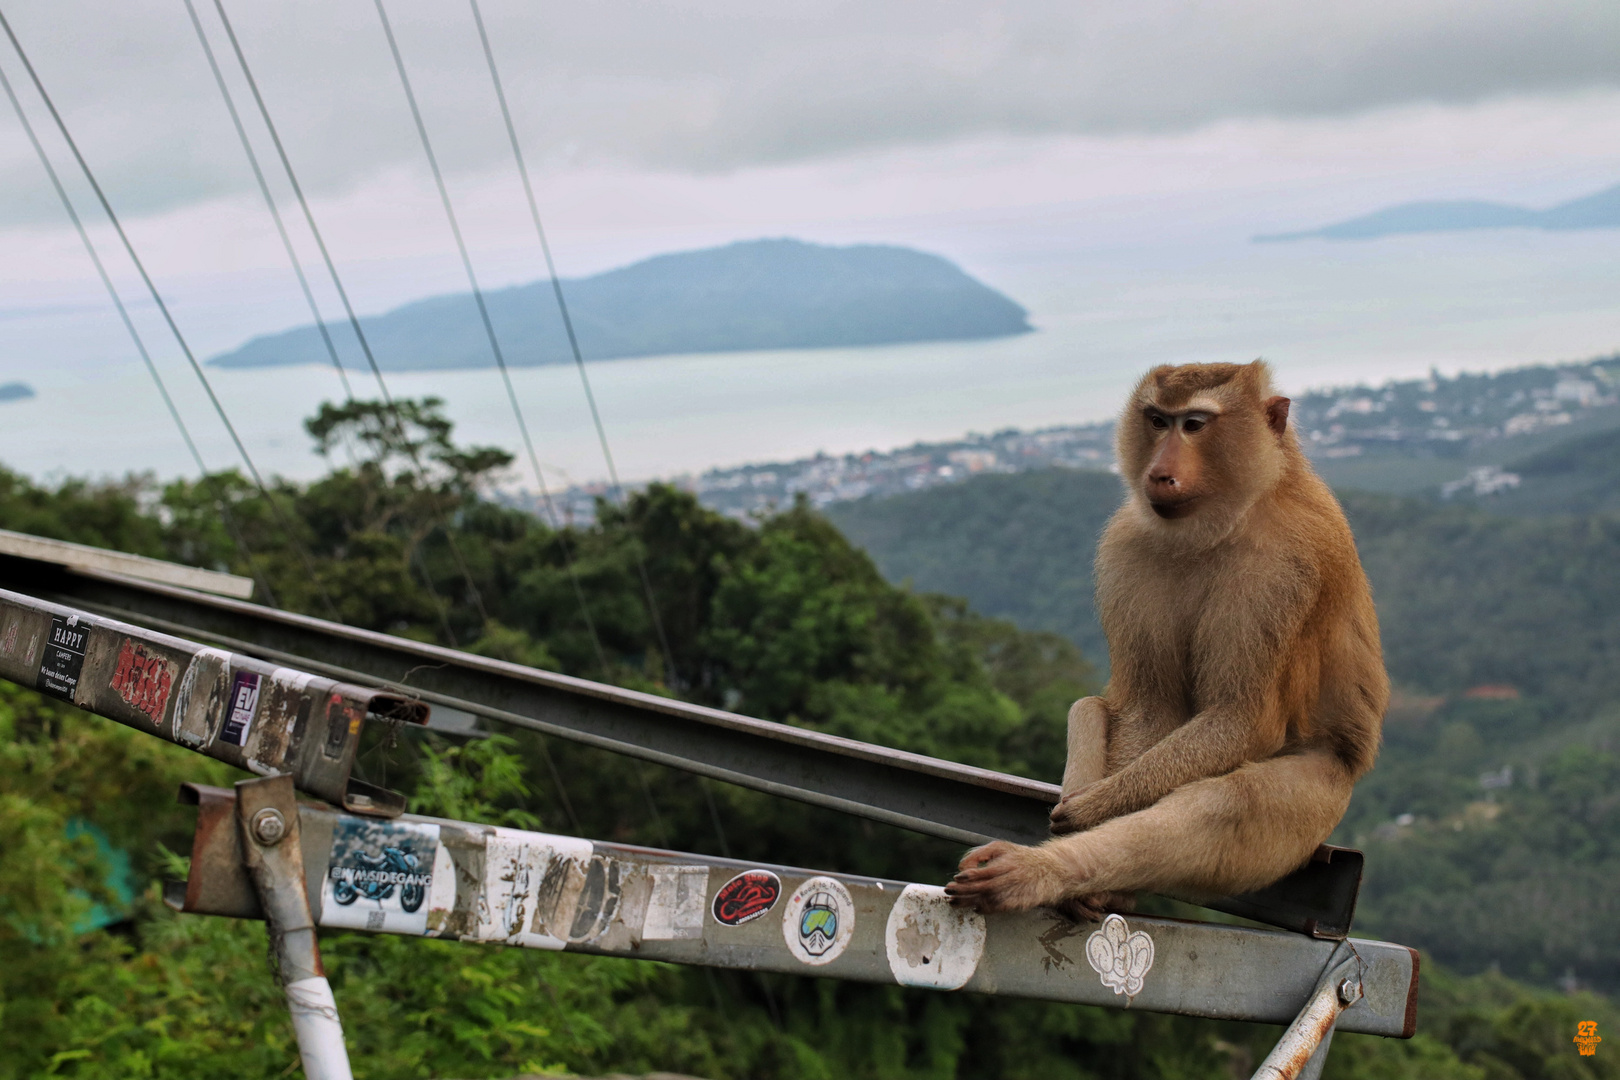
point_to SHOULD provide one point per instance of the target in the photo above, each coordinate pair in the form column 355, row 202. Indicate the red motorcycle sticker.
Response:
column 746, row 897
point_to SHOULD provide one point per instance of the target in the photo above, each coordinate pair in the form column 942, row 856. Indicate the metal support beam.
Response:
column 268, row 832
column 939, row 798
column 1302, row 1051
column 482, row 884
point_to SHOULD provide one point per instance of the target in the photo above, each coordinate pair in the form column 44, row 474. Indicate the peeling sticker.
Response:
column 442, row 892
column 143, row 679
column 8, row 640
column 514, row 864
column 1121, row 957
column 63, row 659
column 243, row 703
column 198, row 727
column 929, row 942
column 675, row 905
column 293, row 682
column 818, row 920
column 746, row 897
column 578, row 895
column 380, row 875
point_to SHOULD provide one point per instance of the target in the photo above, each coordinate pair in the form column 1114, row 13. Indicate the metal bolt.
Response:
column 269, row 826
column 1349, row 991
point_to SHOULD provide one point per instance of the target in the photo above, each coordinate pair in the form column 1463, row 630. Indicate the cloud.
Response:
column 677, row 86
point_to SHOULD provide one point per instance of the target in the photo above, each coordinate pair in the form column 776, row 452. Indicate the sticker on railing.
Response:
column 746, row 897
column 63, row 659
column 819, row 920
column 380, row 875
column 143, row 679
column 929, row 942
column 243, row 703
column 1120, row 956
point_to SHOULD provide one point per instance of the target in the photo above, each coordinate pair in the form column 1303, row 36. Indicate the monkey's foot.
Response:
column 1093, row 907
column 1002, row 876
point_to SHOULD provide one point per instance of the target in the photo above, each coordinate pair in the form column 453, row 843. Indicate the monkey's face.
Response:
column 1180, row 444
column 1199, row 443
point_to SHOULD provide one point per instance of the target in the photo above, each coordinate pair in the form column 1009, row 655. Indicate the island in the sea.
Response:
column 758, row 294
column 15, row 391
column 1599, row 211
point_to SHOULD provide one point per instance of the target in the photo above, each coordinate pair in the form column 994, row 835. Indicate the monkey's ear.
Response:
column 1277, row 414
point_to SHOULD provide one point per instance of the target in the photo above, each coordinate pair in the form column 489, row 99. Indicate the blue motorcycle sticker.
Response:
column 380, row 876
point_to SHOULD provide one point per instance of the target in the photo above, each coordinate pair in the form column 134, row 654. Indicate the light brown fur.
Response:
column 1247, row 689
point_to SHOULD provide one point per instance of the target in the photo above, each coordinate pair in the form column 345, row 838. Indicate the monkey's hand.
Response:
column 1002, row 876
column 1080, row 810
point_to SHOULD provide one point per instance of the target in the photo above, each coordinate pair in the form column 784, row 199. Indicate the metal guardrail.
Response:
column 257, row 852
column 256, row 716
column 939, row 798
column 431, row 877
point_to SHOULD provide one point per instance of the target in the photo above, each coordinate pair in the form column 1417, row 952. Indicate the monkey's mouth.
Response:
column 1170, row 509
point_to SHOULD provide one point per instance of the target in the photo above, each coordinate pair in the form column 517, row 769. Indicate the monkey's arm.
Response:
column 1241, row 648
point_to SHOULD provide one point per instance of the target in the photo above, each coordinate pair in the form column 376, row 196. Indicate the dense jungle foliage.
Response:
column 785, row 620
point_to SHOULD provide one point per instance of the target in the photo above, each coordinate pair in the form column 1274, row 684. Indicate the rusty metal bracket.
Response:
column 1302, row 1051
column 257, row 716
column 269, row 836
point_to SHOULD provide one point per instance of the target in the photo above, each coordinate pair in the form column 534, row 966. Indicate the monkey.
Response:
column 1247, row 688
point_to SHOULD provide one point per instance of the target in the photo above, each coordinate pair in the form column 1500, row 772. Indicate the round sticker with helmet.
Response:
column 819, row 920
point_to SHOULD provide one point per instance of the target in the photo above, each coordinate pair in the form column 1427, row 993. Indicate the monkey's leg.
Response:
column 1087, row 760
column 1090, row 730
column 1228, row 834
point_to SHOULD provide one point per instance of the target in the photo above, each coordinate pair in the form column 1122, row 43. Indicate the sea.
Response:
column 1323, row 313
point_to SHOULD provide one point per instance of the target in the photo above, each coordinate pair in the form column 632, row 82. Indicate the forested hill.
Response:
column 760, row 294
column 1497, row 789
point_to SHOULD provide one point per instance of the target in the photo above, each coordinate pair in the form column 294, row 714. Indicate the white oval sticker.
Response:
column 929, row 942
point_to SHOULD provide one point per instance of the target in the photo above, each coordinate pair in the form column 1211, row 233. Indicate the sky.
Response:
column 1006, row 137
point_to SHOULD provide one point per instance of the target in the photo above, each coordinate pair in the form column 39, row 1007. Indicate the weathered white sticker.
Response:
column 675, row 905
column 380, row 875
column 577, row 895
column 441, row 901
column 819, row 920
column 1120, row 956
column 516, row 865
column 929, row 942
column 199, row 704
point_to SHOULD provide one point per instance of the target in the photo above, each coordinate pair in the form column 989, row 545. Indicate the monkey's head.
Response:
column 1199, row 443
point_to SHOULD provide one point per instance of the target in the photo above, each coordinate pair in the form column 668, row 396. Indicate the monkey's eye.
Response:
column 1158, row 423
column 1193, row 423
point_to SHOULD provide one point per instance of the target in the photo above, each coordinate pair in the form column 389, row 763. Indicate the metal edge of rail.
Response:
column 259, row 717
column 956, row 802
column 431, row 877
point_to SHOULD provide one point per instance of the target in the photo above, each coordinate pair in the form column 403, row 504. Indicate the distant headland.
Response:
column 1599, row 211
column 758, row 294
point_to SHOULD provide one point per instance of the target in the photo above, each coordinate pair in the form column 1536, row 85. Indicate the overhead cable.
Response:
column 489, row 327
column 440, row 606
column 269, row 201
column 568, row 325
column 174, row 328
column 140, row 345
